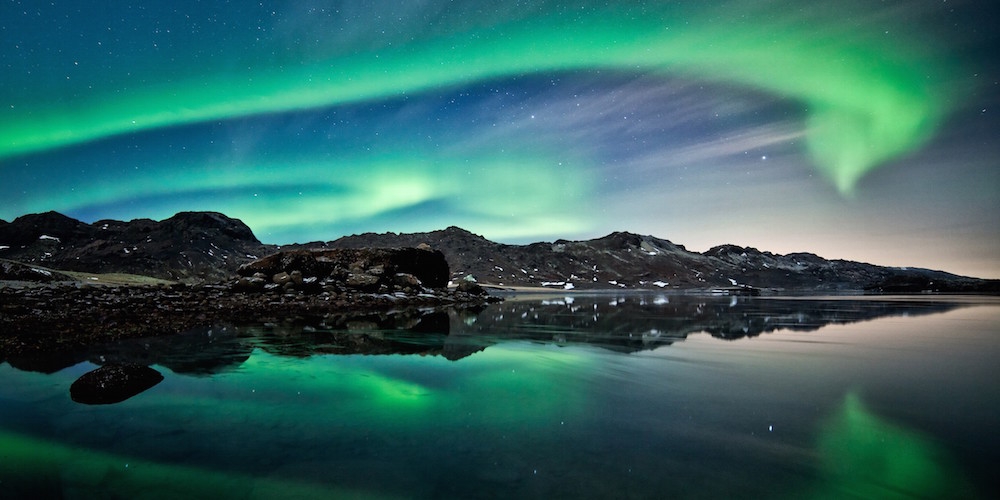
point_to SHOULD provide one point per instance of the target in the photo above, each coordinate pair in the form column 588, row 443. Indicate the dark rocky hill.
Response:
column 198, row 246
column 207, row 246
column 629, row 261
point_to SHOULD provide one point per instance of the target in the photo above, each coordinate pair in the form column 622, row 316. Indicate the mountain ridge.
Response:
column 210, row 246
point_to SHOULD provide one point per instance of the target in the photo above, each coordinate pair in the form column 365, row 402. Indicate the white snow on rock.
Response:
column 42, row 271
column 568, row 286
column 661, row 284
column 47, row 237
column 733, row 281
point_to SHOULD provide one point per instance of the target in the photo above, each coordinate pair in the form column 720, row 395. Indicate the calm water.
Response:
column 589, row 396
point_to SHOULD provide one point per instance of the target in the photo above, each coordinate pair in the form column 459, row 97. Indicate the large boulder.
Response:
column 113, row 383
column 352, row 264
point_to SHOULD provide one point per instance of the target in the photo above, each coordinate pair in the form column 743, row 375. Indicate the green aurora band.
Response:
column 867, row 100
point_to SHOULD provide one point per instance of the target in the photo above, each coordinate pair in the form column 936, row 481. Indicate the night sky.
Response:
column 859, row 130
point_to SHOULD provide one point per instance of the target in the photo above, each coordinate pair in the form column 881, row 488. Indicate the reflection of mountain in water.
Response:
column 630, row 323
column 626, row 323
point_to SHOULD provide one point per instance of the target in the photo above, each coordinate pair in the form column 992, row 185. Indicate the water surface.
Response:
column 600, row 396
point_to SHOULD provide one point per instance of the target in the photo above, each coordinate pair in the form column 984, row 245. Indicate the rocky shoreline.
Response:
column 327, row 289
column 61, row 316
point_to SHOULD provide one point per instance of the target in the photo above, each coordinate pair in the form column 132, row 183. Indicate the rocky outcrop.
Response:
column 113, row 384
column 385, row 270
column 16, row 271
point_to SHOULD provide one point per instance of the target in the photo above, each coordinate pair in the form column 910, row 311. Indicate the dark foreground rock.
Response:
column 113, row 384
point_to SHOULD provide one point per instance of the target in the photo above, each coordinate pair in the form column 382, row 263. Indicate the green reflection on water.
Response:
column 81, row 472
column 864, row 456
column 302, row 427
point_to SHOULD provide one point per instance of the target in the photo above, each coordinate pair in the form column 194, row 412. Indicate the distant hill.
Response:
column 192, row 246
column 623, row 260
column 208, row 246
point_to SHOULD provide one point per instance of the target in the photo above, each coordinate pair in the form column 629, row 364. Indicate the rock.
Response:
column 16, row 271
column 281, row 278
column 430, row 267
column 296, row 277
column 407, row 280
column 113, row 384
column 362, row 281
column 243, row 285
column 471, row 287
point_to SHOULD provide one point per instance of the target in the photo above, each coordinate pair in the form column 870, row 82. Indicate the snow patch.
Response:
column 42, row 271
column 4, row 247
column 47, row 237
column 568, row 286
column 661, row 284
column 553, row 283
column 733, row 281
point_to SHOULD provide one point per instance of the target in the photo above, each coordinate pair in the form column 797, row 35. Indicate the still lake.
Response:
column 580, row 396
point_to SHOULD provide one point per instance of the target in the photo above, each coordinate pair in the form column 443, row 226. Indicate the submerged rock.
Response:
column 113, row 384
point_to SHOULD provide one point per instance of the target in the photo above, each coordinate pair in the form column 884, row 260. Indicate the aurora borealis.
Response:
column 854, row 131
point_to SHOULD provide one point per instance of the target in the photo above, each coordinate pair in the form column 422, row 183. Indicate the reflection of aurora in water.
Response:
column 865, row 456
column 764, row 416
column 862, row 455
